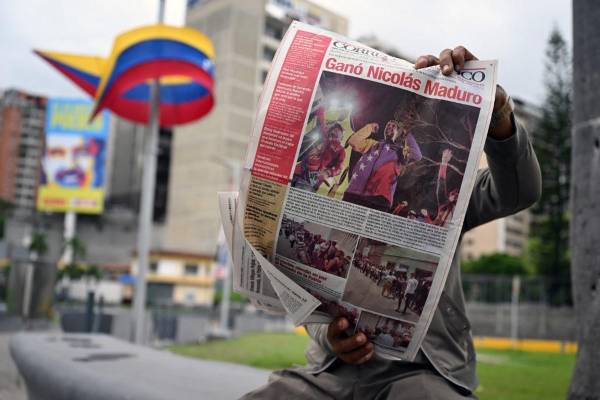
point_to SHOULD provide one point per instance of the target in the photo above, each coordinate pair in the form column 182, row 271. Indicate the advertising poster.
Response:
column 73, row 165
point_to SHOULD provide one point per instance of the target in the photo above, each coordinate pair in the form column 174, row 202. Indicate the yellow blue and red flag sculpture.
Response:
column 181, row 58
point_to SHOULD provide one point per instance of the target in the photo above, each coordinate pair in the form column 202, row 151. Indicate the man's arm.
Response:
column 512, row 181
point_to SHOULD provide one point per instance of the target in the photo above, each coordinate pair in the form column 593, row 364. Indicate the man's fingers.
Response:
column 349, row 344
column 336, row 328
column 459, row 55
column 446, row 63
column 358, row 356
column 350, row 349
column 469, row 56
column 426, row 61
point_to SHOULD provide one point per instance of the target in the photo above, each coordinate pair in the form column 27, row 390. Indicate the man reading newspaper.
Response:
column 346, row 367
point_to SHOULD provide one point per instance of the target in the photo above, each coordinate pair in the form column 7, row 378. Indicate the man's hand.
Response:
column 454, row 60
column 352, row 350
column 449, row 60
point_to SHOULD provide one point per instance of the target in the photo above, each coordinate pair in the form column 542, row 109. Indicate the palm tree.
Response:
column 77, row 248
column 38, row 245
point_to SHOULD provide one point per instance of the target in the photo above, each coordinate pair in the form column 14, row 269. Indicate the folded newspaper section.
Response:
column 356, row 183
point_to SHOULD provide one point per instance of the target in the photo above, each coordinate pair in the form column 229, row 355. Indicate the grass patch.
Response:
column 263, row 350
column 504, row 375
column 519, row 375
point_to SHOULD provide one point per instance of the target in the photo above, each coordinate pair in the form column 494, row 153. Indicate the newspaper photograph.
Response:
column 356, row 182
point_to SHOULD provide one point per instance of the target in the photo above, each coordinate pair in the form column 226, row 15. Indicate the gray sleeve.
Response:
column 512, row 181
column 318, row 333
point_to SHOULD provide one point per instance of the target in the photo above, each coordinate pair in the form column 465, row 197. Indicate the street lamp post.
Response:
column 224, row 331
column 147, row 204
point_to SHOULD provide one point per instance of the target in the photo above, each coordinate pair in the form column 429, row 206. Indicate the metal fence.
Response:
column 527, row 289
column 519, row 307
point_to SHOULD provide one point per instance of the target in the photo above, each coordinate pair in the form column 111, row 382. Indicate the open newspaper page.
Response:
column 356, row 183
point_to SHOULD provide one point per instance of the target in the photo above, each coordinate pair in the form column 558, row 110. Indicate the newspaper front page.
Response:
column 356, row 182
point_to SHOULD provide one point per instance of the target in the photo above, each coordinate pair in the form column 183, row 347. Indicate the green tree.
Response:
column 496, row 264
column 549, row 248
column 72, row 271
column 39, row 243
column 92, row 271
column 77, row 247
column 5, row 208
column 75, row 269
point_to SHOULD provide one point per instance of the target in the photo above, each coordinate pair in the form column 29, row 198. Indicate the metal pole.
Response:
column 225, row 300
column 147, row 205
column 514, row 309
column 69, row 234
column 89, row 312
column 27, row 292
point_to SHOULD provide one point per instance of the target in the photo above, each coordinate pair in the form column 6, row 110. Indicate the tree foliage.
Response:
column 5, row 208
column 549, row 247
column 496, row 264
column 77, row 247
column 93, row 272
column 39, row 243
column 78, row 269
column 73, row 271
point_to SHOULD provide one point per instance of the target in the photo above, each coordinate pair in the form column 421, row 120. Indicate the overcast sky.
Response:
column 512, row 31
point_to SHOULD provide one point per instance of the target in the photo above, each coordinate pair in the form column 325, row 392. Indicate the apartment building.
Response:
column 246, row 35
column 22, row 119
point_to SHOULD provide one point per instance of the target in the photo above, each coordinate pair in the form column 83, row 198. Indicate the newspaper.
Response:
column 355, row 186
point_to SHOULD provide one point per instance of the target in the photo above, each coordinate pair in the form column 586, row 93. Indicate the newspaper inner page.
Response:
column 356, row 183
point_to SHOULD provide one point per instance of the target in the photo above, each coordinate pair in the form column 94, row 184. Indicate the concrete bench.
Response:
column 98, row 367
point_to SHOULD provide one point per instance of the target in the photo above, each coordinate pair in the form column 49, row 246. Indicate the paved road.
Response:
column 363, row 292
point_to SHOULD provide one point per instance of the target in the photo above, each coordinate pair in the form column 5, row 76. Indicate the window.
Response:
column 154, row 267
column 273, row 31
column 191, row 269
column 268, row 54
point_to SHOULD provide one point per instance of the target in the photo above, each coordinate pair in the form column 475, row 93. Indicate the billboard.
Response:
column 73, row 165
